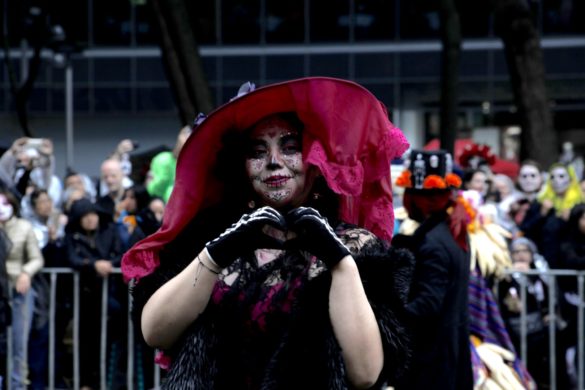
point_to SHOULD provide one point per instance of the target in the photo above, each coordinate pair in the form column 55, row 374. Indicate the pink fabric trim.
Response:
column 139, row 263
column 164, row 361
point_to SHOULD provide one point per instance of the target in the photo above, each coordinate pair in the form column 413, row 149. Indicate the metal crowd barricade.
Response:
column 550, row 277
column 53, row 276
column 551, row 281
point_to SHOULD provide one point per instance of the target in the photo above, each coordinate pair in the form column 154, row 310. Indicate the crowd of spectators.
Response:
column 536, row 216
column 88, row 223
column 75, row 221
column 541, row 212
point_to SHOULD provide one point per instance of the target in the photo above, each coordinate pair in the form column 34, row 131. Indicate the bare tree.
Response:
column 451, row 39
column 182, row 60
column 514, row 24
column 35, row 34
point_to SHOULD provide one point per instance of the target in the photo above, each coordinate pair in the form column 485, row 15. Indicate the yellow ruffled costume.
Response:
column 487, row 240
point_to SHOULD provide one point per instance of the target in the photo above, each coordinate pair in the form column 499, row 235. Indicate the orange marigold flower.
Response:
column 404, row 179
column 453, row 180
column 469, row 210
column 434, row 181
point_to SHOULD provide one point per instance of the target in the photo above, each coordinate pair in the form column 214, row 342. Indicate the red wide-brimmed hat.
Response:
column 349, row 137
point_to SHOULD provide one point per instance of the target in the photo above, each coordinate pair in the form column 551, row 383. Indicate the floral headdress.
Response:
column 428, row 170
column 474, row 155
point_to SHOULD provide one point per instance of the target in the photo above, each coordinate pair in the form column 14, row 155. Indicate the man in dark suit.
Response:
column 437, row 309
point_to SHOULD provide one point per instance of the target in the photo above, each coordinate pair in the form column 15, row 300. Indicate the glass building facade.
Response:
column 391, row 47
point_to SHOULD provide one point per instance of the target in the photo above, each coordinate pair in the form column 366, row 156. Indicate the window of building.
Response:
column 112, row 99
column 288, row 67
column 375, row 20
column 420, row 64
column 561, row 17
column 112, row 23
column 240, row 21
column 81, row 99
column 145, row 26
column 72, row 16
column 333, row 65
column 202, row 15
column 154, row 99
column 475, row 18
column 419, row 19
column 329, row 21
column 379, row 65
column 108, row 70
column 285, row 21
column 241, row 69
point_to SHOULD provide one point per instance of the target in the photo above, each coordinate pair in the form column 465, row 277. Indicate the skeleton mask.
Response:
column 560, row 180
column 529, row 179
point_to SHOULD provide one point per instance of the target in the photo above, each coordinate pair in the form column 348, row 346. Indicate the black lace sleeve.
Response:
column 386, row 274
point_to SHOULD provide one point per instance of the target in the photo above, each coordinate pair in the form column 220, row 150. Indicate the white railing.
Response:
column 53, row 274
column 550, row 277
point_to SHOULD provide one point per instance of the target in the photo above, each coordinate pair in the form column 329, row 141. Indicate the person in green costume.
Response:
column 162, row 168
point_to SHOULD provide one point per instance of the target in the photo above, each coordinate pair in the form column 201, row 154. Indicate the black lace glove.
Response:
column 246, row 236
column 315, row 235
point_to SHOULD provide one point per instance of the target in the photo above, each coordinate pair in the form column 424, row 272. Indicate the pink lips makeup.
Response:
column 276, row 181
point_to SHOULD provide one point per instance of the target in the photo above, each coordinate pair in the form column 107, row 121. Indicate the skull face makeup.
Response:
column 6, row 209
column 560, row 180
column 529, row 179
column 275, row 163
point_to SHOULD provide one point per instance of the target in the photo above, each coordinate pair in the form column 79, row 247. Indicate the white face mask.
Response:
column 6, row 210
column 529, row 179
column 560, row 180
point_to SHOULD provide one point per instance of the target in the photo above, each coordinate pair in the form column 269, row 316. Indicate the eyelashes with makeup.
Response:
column 288, row 148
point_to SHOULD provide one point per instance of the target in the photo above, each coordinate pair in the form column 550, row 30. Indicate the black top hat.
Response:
column 429, row 170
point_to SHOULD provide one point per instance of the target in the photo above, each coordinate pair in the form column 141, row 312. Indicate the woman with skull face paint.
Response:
column 256, row 280
column 530, row 179
column 529, row 183
column 562, row 190
column 23, row 262
column 546, row 219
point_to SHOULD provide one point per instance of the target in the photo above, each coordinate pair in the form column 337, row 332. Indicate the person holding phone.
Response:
column 30, row 164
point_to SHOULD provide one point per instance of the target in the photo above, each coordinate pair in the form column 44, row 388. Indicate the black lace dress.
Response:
column 267, row 323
